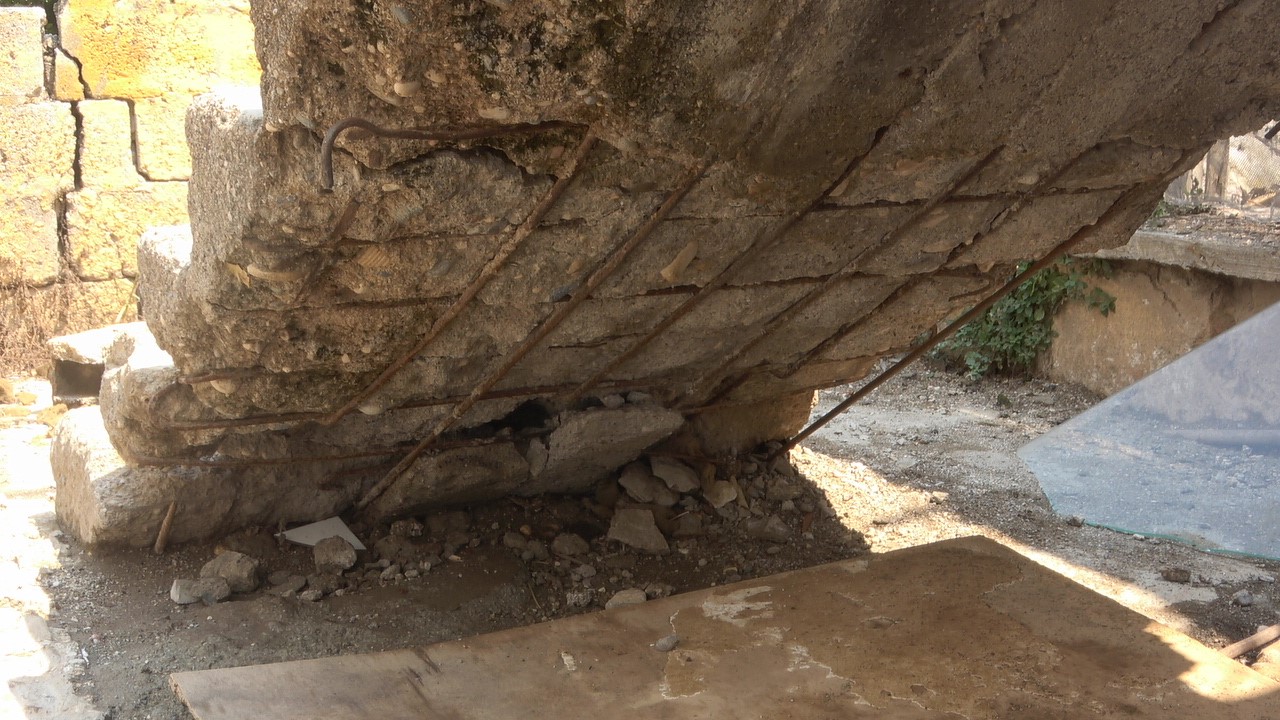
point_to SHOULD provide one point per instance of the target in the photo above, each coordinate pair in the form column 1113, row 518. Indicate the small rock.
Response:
column 279, row 577
column 613, row 402
column 311, row 595
column 334, row 554
column 630, row 596
column 208, row 590
column 1176, row 574
column 667, row 644
column 579, row 597
column 1075, row 521
column 390, row 573
column 639, row 483
column 636, row 397
column 6, row 391
column 290, row 585
column 780, row 491
column 688, row 525
column 570, row 544
column 324, row 582
column 658, row 590
column 537, row 550
column 720, row 493
column 1243, row 598
column 412, row 574
column 586, row 571
column 515, row 541
column 772, row 529
column 782, row 466
column 407, row 528
column 679, row 477
column 239, row 570
column 636, row 527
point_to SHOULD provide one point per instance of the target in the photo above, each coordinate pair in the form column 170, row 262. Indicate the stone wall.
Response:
column 93, row 151
column 1173, row 293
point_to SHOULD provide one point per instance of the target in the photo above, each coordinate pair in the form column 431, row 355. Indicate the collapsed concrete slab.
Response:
column 440, row 227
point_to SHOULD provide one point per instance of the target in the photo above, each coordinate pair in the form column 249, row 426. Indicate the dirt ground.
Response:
column 94, row 634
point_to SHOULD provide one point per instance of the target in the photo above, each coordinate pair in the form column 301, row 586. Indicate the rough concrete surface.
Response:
column 720, row 205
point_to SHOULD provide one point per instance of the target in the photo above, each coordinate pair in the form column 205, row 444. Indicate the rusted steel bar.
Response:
column 760, row 245
column 149, row 461
column 486, row 274
column 301, row 417
column 1260, row 639
column 1120, row 205
column 539, row 333
column 331, row 137
column 708, row 382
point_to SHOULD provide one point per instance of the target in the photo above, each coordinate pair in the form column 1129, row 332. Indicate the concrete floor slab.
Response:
column 958, row 629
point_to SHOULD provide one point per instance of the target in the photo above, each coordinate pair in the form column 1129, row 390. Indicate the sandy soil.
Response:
column 93, row 634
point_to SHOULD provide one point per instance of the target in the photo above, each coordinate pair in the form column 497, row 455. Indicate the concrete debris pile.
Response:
column 575, row 554
column 458, row 252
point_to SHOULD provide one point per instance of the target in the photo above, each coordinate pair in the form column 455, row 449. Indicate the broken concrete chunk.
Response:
column 623, row 598
column 720, row 493
column 334, row 554
column 639, row 483
column 570, row 544
column 679, row 477
column 771, row 529
column 636, row 527
column 208, row 590
column 239, row 570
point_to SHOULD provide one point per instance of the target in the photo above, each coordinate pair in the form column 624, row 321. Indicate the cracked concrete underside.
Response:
column 612, row 226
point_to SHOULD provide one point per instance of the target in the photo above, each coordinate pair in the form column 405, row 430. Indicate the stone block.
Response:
column 66, row 78
column 21, row 54
column 588, row 446
column 37, row 147
column 28, row 241
column 106, row 155
column 147, row 48
column 103, row 227
column 100, row 499
column 162, row 137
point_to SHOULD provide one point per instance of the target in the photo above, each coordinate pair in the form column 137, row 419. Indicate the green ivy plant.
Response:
column 1009, row 336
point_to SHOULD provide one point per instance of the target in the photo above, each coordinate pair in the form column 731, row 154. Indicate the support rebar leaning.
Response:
column 540, row 332
column 760, row 245
column 331, row 137
column 491, row 268
column 709, row 380
column 1053, row 256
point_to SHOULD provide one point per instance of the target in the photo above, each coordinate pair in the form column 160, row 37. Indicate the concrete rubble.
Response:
column 636, row 225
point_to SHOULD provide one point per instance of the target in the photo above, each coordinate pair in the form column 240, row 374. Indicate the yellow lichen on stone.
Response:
column 66, row 78
column 147, row 48
column 106, row 156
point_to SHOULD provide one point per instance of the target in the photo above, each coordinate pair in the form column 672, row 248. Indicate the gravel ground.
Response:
column 929, row 456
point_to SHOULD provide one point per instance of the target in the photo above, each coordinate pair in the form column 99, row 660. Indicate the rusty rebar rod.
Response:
column 331, row 137
column 709, row 380
column 540, row 332
column 759, row 246
column 1079, row 237
column 491, row 268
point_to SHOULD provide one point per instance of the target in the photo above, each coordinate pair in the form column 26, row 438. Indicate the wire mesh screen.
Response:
column 1241, row 174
